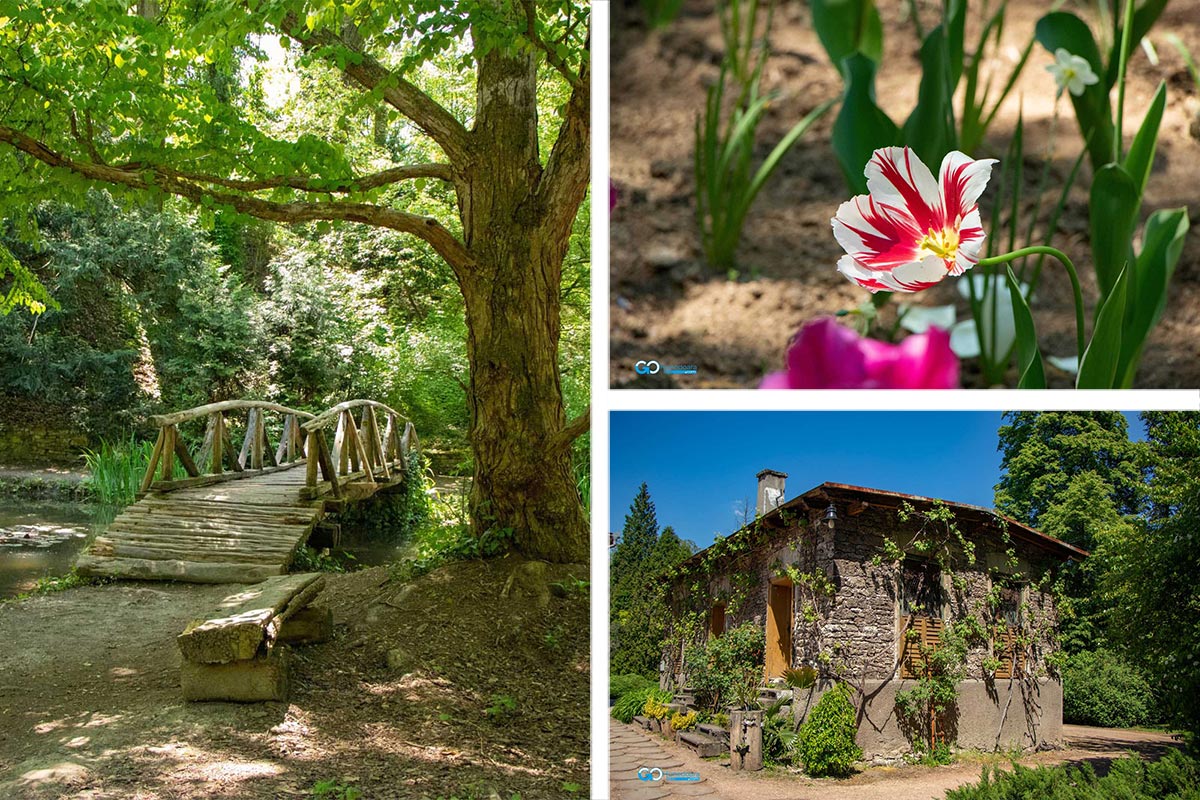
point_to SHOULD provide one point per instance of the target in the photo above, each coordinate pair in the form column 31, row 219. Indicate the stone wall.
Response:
column 40, row 445
column 856, row 633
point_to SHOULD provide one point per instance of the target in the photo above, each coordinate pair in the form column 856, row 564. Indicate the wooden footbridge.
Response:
column 227, row 516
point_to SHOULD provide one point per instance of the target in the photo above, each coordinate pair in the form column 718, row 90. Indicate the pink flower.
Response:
column 910, row 232
column 826, row 355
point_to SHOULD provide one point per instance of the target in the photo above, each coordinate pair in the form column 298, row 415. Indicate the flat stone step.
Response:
column 705, row 746
column 714, row 731
column 642, row 721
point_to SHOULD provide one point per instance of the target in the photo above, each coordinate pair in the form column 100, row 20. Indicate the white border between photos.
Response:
column 605, row 400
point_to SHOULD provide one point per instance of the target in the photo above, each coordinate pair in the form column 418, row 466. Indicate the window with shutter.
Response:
column 922, row 604
column 1006, row 646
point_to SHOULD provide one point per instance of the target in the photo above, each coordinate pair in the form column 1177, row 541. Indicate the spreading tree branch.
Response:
column 568, row 169
column 438, row 123
column 361, row 184
column 573, row 429
column 148, row 178
column 552, row 57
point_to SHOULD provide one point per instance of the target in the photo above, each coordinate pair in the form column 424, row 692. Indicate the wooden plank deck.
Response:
column 236, row 531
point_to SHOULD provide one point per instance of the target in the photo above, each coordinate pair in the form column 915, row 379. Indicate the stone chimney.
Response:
column 770, row 490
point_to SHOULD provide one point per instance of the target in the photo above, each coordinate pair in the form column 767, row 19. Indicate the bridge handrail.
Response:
column 179, row 417
column 331, row 415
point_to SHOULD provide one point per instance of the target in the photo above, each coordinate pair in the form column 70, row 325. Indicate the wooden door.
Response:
column 779, row 628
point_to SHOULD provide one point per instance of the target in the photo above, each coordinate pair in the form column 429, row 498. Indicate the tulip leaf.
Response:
column 956, row 27
column 1163, row 243
column 1098, row 366
column 846, row 27
column 1113, row 216
column 1144, row 17
column 1029, row 358
column 1092, row 108
column 929, row 131
column 1140, row 157
column 861, row 126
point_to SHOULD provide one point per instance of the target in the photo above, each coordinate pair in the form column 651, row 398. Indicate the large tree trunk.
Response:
column 523, row 475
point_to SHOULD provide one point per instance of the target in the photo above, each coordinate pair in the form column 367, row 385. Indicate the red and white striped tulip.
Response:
column 910, row 231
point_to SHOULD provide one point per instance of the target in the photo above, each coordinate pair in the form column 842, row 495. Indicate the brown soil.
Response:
column 1096, row 746
column 667, row 305
column 91, row 708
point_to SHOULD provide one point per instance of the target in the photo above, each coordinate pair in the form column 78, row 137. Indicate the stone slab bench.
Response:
column 714, row 732
column 238, row 653
column 704, row 745
column 644, row 722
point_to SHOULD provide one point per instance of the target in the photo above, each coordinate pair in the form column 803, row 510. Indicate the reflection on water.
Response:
column 41, row 539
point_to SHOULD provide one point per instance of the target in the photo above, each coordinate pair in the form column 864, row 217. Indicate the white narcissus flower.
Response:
column 1071, row 72
column 912, row 231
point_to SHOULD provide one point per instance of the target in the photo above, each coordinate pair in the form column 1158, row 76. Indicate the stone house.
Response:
column 864, row 586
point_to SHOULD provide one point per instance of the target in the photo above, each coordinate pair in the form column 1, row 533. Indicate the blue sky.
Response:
column 701, row 464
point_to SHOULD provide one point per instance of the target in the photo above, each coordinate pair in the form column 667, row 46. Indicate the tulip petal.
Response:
column 896, row 177
column 917, row 275
column 970, row 243
column 775, row 380
column 962, row 180
column 874, row 280
column 879, row 237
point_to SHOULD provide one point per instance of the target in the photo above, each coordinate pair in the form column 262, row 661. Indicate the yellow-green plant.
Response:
column 683, row 722
column 656, row 709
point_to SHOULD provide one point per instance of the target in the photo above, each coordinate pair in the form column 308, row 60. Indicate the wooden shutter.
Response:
column 914, row 648
column 1008, row 650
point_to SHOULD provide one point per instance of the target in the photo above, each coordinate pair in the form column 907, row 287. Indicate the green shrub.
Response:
column 1099, row 688
column 1175, row 776
column 779, row 735
column 656, row 707
column 632, row 703
column 826, row 742
column 716, row 668
column 621, row 684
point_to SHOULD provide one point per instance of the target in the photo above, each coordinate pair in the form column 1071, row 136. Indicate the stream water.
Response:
column 40, row 539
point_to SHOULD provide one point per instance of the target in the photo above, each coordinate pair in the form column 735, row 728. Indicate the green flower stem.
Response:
column 1118, row 144
column 1066, row 262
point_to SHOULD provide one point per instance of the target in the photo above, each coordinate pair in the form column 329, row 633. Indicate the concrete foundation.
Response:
column 998, row 715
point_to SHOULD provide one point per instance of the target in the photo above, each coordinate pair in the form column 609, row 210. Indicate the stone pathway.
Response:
column 630, row 750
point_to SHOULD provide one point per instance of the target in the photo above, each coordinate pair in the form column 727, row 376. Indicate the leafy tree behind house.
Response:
column 636, row 613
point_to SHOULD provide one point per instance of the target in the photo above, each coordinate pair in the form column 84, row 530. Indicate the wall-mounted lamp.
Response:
column 830, row 516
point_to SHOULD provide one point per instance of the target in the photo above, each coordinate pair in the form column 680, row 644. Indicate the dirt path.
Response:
column 1097, row 746
column 397, row 704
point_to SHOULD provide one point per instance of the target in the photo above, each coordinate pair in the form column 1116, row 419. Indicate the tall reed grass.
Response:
column 116, row 470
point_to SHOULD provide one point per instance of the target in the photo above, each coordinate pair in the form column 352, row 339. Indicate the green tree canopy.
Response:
column 156, row 99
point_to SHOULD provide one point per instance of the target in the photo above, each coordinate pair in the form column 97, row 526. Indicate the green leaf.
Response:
column 1092, row 108
column 1163, row 243
column 927, row 130
column 1098, row 367
column 861, row 126
column 1113, row 215
column 1144, row 17
column 955, row 24
column 846, row 27
column 1029, row 357
column 1140, row 157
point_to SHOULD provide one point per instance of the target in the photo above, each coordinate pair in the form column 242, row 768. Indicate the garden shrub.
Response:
column 717, row 667
column 632, row 703
column 656, row 707
column 683, row 722
column 1175, row 776
column 622, row 684
column 827, row 738
column 1099, row 688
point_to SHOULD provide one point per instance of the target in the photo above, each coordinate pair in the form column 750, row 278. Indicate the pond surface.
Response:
column 41, row 539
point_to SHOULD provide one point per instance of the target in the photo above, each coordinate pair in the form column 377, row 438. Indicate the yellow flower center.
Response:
column 943, row 243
